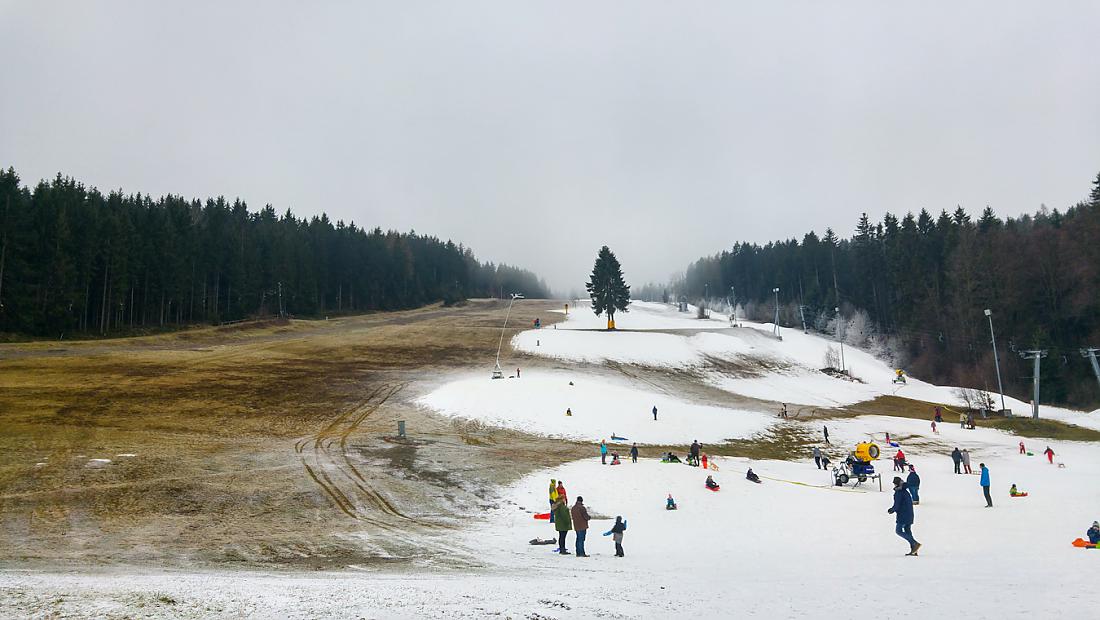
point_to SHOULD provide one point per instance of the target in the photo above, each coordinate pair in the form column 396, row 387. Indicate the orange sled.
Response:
column 1081, row 542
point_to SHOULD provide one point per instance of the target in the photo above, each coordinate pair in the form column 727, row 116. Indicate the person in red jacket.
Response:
column 899, row 461
column 1050, row 455
column 1022, row 450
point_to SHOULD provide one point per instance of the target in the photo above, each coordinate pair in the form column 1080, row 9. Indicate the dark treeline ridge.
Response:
column 75, row 260
column 924, row 282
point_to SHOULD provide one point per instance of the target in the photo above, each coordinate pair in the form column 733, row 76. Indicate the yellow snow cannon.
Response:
column 867, row 451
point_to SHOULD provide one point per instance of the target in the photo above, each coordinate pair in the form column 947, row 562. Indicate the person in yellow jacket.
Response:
column 553, row 497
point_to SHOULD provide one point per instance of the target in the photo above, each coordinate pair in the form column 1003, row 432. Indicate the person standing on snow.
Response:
column 616, row 533
column 693, row 454
column 634, row 453
column 603, row 452
column 561, row 492
column 966, row 461
column 957, row 457
column 704, row 461
column 899, row 461
column 553, row 497
column 903, row 512
column 579, row 515
column 654, row 413
column 985, row 485
column 817, row 457
column 912, row 482
column 562, row 523
column 962, row 420
column 826, row 430
column 1050, row 455
column 1022, row 449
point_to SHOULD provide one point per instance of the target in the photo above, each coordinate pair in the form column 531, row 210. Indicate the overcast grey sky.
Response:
column 537, row 131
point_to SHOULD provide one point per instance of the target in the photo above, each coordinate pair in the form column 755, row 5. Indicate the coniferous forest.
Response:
column 75, row 260
column 914, row 288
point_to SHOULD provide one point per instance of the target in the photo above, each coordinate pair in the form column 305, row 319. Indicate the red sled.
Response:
column 1084, row 544
column 711, row 489
column 1019, row 495
column 545, row 516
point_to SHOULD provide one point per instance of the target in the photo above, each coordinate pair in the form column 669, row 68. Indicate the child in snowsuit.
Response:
column 616, row 533
column 615, row 458
column 711, row 484
column 752, row 477
column 1014, row 492
column 1050, row 455
column 1022, row 450
column 670, row 504
column 1094, row 533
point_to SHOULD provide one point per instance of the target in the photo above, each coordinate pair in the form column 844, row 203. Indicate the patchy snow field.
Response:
column 791, row 547
column 537, row 402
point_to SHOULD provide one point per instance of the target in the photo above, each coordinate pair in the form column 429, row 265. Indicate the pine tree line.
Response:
column 925, row 281
column 75, row 260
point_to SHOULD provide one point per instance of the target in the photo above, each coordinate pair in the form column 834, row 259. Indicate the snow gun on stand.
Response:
column 857, row 465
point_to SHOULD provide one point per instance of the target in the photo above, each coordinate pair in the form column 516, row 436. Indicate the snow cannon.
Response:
column 857, row 465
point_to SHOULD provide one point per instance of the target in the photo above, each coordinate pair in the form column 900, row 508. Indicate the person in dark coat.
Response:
column 817, row 457
column 563, row 522
column 957, row 457
column 825, row 429
column 616, row 533
column 1094, row 532
column 912, row 482
column 654, row 413
column 903, row 512
column 579, row 514
column 751, row 476
column 634, row 453
column 693, row 454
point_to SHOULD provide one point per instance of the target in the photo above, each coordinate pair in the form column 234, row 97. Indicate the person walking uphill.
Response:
column 912, row 482
column 562, row 523
column 903, row 515
column 580, row 525
column 957, row 457
column 985, row 485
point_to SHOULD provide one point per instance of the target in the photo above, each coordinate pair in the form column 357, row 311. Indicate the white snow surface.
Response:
column 792, row 547
column 786, row 370
column 536, row 403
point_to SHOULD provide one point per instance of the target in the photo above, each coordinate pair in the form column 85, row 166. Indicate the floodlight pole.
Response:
column 996, row 361
column 837, row 310
column 497, row 373
column 776, row 291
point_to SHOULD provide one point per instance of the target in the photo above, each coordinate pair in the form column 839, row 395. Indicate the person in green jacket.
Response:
column 563, row 522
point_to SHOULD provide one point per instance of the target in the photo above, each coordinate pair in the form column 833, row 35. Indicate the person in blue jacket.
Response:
column 912, row 482
column 1094, row 533
column 985, row 485
column 903, row 512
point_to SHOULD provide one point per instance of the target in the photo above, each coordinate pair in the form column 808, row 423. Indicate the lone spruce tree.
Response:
column 606, row 287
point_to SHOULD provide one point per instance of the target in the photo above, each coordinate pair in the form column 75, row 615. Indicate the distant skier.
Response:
column 985, row 485
column 912, row 482
column 826, row 430
column 1050, row 455
column 957, row 457
column 903, row 512
column 751, row 476
column 966, row 461
column 563, row 522
column 579, row 514
column 603, row 452
column 654, row 413
column 634, row 453
column 817, row 457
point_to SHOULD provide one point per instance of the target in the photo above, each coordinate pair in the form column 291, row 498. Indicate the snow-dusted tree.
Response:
column 606, row 287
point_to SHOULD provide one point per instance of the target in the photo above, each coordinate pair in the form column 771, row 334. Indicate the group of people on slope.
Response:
column 961, row 460
column 575, row 519
column 820, row 459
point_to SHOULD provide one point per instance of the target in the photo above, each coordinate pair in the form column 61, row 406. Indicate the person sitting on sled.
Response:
column 670, row 458
column 670, row 504
column 711, row 484
column 1014, row 492
column 615, row 458
column 752, row 477
column 1094, row 533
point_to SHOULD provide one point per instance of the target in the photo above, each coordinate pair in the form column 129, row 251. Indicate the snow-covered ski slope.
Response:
column 751, row 362
column 796, row 547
